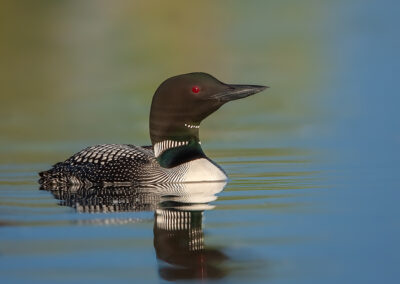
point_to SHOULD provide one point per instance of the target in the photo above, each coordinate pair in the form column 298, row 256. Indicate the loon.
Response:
column 178, row 107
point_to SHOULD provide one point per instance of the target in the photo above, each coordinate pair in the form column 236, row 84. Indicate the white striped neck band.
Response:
column 192, row 126
column 160, row 147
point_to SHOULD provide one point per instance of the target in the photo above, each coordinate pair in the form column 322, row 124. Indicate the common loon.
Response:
column 178, row 107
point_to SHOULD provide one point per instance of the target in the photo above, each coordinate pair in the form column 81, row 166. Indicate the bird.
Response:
column 178, row 107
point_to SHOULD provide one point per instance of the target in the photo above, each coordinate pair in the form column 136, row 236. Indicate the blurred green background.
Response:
column 80, row 72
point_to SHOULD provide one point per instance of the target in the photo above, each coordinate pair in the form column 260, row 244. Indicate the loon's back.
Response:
column 101, row 164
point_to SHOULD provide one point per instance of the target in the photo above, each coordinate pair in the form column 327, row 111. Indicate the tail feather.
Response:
column 58, row 175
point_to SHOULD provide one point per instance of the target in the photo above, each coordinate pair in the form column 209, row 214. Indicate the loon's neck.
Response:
column 178, row 145
column 171, row 153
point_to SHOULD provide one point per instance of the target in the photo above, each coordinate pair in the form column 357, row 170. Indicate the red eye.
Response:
column 195, row 89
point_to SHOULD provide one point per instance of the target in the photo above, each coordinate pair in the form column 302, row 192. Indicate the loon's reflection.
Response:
column 180, row 249
column 178, row 226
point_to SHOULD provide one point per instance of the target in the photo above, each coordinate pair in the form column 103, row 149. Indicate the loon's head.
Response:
column 182, row 102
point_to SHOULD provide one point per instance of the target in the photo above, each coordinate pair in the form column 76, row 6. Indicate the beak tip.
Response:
column 261, row 88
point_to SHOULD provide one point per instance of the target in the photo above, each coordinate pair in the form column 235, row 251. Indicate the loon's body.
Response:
column 126, row 164
column 178, row 107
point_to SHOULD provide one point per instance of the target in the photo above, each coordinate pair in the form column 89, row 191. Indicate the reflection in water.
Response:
column 178, row 230
column 179, row 244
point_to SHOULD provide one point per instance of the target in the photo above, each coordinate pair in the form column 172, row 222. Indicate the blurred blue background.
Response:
column 313, row 161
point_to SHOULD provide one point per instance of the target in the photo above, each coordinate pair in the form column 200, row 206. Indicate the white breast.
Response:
column 203, row 170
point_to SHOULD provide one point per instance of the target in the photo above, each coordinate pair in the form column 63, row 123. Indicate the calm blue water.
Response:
column 315, row 203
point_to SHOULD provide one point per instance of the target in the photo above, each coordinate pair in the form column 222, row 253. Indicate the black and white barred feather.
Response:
column 112, row 164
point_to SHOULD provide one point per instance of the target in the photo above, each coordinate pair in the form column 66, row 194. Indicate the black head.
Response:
column 182, row 102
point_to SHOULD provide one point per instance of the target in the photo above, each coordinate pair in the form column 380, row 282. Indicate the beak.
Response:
column 235, row 92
